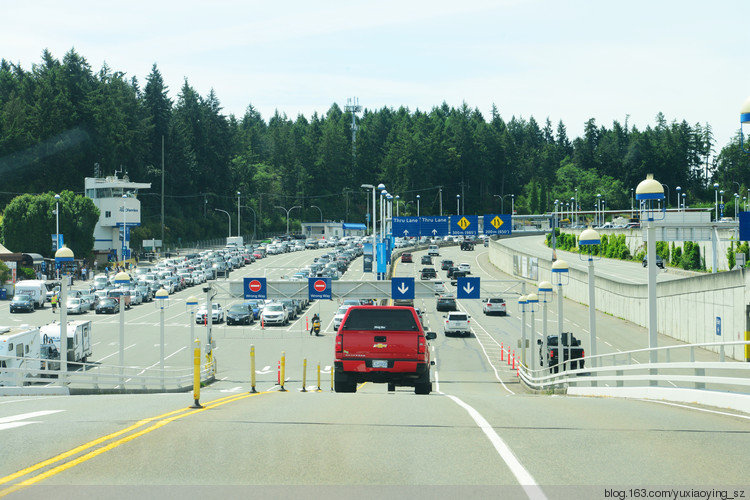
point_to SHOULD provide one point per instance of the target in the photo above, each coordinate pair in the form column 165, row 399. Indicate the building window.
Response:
column 107, row 214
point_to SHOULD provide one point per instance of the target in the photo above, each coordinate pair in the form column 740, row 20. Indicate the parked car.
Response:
column 494, row 305
column 339, row 316
column 217, row 314
column 457, row 323
column 108, row 305
column 22, row 302
column 275, row 314
column 240, row 314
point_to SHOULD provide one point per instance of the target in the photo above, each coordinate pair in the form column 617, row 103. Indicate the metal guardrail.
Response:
column 84, row 378
column 676, row 367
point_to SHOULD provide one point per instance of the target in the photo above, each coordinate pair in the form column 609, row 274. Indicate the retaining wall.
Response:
column 687, row 309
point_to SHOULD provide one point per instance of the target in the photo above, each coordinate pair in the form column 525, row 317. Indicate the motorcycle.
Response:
column 316, row 326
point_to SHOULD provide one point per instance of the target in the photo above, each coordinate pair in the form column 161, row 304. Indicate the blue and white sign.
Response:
column 718, row 326
column 382, row 259
column 434, row 226
column 467, row 288
column 404, row 227
column 319, row 288
column 255, row 288
column 498, row 224
column 464, row 225
column 744, row 226
column 402, row 288
column 59, row 243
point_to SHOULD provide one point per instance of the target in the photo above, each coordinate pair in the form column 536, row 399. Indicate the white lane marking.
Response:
column 486, row 354
column 266, row 369
column 746, row 417
column 233, row 389
column 15, row 420
column 523, row 476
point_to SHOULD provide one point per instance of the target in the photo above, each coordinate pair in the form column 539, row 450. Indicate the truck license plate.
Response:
column 379, row 363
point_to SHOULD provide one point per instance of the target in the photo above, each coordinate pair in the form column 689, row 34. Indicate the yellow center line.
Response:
column 161, row 421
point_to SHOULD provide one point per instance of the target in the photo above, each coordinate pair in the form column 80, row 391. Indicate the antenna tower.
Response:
column 352, row 106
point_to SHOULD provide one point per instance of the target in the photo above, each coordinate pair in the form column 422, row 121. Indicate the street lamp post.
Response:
column 545, row 290
column 532, row 300
column 254, row 217
column 397, row 197
column 721, row 203
column 238, row 214
column 319, row 210
column 649, row 192
column 287, row 215
column 588, row 239
column 191, row 304
column 124, row 227
column 161, row 301
column 598, row 209
column 560, row 277
column 716, row 200
column 458, row 203
column 63, row 259
column 417, row 205
column 522, row 301
column 679, row 191
column 374, row 227
column 229, row 226
column 121, row 279
column 57, row 229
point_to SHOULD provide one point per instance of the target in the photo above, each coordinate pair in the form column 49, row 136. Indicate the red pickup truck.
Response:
column 383, row 344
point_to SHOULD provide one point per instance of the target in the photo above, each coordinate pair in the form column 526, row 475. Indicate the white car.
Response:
column 433, row 251
column 76, row 306
column 457, row 322
column 217, row 314
column 339, row 317
column 494, row 305
column 465, row 267
column 439, row 288
column 274, row 314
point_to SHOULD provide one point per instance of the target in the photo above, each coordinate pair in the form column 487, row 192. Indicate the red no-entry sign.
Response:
column 320, row 286
column 255, row 286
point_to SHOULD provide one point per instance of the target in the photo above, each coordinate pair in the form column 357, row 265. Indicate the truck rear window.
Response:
column 369, row 319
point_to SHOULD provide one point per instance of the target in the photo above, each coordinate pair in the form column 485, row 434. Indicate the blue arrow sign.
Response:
column 255, row 288
column 498, row 224
column 744, row 226
column 434, row 226
column 464, row 225
column 405, row 227
column 402, row 288
column 319, row 288
column 467, row 288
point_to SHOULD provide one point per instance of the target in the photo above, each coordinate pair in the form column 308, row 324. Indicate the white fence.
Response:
column 675, row 368
column 84, row 378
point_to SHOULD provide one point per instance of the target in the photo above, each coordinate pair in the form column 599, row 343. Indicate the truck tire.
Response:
column 391, row 387
column 342, row 383
column 424, row 385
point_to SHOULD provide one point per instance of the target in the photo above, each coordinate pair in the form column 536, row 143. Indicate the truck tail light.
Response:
column 339, row 343
column 583, row 353
column 552, row 354
column 421, row 344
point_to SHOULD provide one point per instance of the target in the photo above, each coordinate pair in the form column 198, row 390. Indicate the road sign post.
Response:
column 319, row 288
column 255, row 288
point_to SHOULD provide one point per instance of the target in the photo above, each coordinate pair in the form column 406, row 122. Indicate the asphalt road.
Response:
column 479, row 434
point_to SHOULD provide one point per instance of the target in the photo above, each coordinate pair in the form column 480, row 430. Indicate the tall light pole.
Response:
column 721, row 203
column 57, row 229
column 649, row 192
column 667, row 204
column 161, row 301
column 121, row 279
column 229, row 227
column 522, row 301
column 560, row 277
column 124, row 227
column 287, row 215
column 254, row 217
column 458, row 202
column 191, row 304
column 532, row 301
column 545, row 290
column 417, row 205
column 63, row 259
column 716, row 200
column 238, row 213
column 588, row 241
column 374, row 227
column 679, row 190
column 319, row 210
column 397, row 197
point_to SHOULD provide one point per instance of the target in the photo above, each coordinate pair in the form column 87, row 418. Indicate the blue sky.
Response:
column 562, row 60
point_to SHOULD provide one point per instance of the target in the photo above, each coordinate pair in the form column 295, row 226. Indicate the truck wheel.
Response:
column 391, row 387
column 342, row 383
column 423, row 385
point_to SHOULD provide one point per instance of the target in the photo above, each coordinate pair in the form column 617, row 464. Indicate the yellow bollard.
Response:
column 318, row 375
column 252, row 369
column 197, row 374
column 304, row 375
column 283, row 370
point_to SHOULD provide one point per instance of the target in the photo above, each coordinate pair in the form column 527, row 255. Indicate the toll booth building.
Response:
column 119, row 210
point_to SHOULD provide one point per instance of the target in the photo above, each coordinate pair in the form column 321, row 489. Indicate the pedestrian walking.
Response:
column 54, row 303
